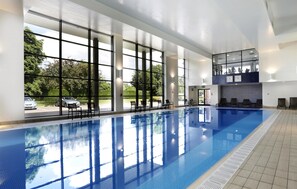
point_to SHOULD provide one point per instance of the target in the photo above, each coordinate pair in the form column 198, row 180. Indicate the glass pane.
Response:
column 74, row 51
column 128, row 75
column 50, row 47
column 129, row 48
column 140, row 67
column 105, row 89
column 42, row 30
column 105, row 103
column 129, row 90
column 74, row 34
column 219, row 59
column 181, row 63
column 157, row 89
column 105, row 42
column 234, row 68
column 143, row 52
column 248, row 55
column 40, row 106
column 181, row 81
column 157, row 101
column 73, row 69
column 40, row 85
column 129, row 62
column 105, row 72
column 104, row 57
column 50, row 67
column 234, row 57
column 74, row 87
column 251, row 66
column 181, row 72
column 157, row 67
column 148, row 65
column 157, row 56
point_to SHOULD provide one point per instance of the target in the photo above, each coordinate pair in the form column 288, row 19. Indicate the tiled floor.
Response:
column 273, row 162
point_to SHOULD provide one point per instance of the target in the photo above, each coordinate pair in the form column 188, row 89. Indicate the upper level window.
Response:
column 237, row 62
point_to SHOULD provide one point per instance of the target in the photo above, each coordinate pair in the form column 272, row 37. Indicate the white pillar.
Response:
column 11, row 60
column 172, row 80
column 118, row 73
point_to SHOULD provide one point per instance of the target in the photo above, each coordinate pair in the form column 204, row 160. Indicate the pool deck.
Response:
column 271, row 164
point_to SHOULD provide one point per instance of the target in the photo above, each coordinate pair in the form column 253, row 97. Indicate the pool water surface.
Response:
column 167, row 149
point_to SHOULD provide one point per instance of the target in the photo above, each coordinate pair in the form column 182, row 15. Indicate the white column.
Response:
column 172, row 80
column 118, row 73
column 11, row 60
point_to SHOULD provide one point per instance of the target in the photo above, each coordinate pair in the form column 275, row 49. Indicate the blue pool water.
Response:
column 168, row 149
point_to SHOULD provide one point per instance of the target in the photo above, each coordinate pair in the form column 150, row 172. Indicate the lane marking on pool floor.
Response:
column 221, row 175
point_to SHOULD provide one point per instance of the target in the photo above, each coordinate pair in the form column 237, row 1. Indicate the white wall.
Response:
column 282, row 64
column 214, row 90
column 171, row 82
column 118, row 84
column 274, row 90
column 198, row 71
column 11, row 60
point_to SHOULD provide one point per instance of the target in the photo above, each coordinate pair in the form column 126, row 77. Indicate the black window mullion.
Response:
column 60, row 67
column 151, row 77
column 89, row 67
column 184, row 80
column 112, row 74
column 137, row 72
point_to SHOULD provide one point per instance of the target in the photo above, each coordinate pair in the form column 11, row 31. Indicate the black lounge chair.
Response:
column 186, row 102
column 144, row 105
column 74, row 111
column 234, row 102
column 223, row 102
column 159, row 103
column 246, row 103
column 92, row 110
column 258, row 103
column 167, row 104
column 293, row 103
column 132, row 106
column 281, row 103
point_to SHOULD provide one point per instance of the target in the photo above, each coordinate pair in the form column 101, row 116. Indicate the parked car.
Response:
column 30, row 104
column 68, row 100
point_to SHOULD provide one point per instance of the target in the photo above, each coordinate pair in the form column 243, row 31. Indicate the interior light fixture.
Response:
column 203, row 81
column 271, row 78
column 119, row 74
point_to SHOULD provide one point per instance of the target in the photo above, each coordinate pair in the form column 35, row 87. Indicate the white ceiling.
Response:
column 192, row 29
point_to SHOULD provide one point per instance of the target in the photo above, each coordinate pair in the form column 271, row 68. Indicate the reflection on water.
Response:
column 122, row 152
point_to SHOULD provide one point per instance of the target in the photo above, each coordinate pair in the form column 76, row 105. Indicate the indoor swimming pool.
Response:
column 165, row 149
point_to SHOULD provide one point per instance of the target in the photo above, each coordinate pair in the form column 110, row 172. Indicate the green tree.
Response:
column 32, row 46
column 156, row 80
column 77, row 84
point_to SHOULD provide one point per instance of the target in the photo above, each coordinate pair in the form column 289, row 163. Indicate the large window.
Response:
column 142, row 75
column 181, row 81
column 237, row 62
column 68, row 62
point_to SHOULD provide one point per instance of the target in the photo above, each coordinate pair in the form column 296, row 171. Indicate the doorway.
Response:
column 204, row 97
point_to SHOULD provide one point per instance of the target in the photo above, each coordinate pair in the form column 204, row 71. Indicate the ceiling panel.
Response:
column 192, row 28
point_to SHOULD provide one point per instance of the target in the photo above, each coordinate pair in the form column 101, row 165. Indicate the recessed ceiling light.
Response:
column 251, row 51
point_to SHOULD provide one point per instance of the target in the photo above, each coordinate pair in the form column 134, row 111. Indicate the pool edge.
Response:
column 219, row 174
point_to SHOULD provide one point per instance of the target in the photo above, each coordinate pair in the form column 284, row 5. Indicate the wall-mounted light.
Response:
column 119, row 74
column 120, row 152
column 271, row 78
column 203, row 81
